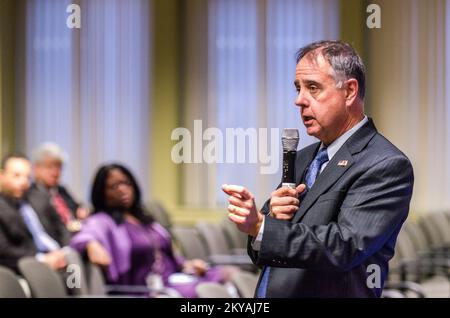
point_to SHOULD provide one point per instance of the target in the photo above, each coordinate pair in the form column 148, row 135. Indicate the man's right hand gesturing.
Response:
column 242, row 209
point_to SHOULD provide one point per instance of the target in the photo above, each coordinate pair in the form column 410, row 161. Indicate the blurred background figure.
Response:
column 48, row 161
column 126, row 241
column 28, row 224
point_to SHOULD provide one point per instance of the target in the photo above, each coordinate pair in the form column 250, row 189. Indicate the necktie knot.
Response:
column 322, row 156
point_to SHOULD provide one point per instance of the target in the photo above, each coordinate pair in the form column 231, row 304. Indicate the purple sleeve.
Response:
column 179, row 260
column 95, row 228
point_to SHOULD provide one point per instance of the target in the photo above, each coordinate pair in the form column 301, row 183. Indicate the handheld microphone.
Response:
column 289, row 141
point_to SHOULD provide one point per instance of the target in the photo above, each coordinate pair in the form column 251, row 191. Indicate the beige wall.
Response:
column 169, row 66
column 405, row 94
column 165, row 99
column 406, row 78
column 7, row 45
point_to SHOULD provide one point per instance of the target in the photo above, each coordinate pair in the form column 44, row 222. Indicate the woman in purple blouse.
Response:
column 128, row 243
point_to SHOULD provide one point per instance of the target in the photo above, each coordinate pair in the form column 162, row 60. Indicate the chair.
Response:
column 214, row 238
column 43, row 281
column 190, row 243
column 433, row 235
column 442, row 226
column 423, row 246
column 245, row 283
column 99, row 288
column 447, row 215
column 430, row 273
column 74, row 275
column 237, row 240
column 219, row 252
column 9, row 284
column 76, row 266
column 417, row 235
column 212, row 290
column 95, row 281
column 159, row 212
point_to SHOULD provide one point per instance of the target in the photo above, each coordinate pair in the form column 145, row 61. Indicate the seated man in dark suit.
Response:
column 48, row 160
column 28, row 225
column 334, row 234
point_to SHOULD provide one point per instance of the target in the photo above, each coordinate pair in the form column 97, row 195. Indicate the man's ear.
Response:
column 351, row 91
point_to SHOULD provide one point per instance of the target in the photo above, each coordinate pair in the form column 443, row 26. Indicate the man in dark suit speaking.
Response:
column 334, row 234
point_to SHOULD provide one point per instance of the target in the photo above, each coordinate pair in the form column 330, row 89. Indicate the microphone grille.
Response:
column 290, row 139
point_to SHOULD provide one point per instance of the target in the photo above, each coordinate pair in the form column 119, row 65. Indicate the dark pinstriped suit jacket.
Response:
column 348, row 220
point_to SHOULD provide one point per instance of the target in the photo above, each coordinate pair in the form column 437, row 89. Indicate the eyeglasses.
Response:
column 116, row 185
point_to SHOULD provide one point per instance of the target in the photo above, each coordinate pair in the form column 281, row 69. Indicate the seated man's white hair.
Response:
column 48, row 150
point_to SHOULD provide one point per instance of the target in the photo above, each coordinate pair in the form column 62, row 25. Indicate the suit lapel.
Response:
column 333, row 171
column 325, row 180
column 13, row 218
column 302, row 162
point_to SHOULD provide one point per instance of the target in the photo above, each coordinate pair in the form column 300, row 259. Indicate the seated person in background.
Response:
column 129, row 244
column 48, row 160
column 28, row 225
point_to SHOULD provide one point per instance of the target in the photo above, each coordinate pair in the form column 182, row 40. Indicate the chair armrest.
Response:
column 222, row 259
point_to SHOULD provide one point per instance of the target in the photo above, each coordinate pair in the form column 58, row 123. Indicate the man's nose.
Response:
column 301, row 100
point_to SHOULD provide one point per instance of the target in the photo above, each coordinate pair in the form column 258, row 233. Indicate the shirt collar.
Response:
column 334, row 147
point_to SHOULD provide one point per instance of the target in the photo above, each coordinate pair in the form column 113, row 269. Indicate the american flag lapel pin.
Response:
column 343, row 163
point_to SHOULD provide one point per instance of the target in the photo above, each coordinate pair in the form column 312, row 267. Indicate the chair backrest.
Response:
column 43, row 281
column 245, row 283
column 214, row 238
column 159, row 212
column 442, row 226
column 417, row 235
column 235, row 238
column 190, row 243
column 396, row 261
column 447, row 215
column 9, row 284
column 212, row 290
column 95, row 279
column 428, row 225
column 76, row 268
column 404, row 248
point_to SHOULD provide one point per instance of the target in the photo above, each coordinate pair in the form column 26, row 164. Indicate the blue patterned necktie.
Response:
column 311, row 176
column 314, row 167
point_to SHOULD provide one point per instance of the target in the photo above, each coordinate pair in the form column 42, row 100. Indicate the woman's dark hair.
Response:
column 99, row 201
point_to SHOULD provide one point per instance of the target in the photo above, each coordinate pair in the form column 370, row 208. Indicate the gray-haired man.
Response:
column 356, row 188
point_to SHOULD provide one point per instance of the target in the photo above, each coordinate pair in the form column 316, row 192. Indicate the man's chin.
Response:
column 18, row 196
column 312, row 131
column 52, row 184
